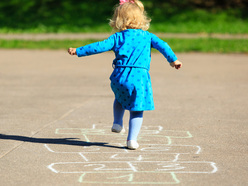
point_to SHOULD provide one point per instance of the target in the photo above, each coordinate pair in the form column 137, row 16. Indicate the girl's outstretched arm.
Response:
column 163, row 48
column 97, row 47
column 94, row 48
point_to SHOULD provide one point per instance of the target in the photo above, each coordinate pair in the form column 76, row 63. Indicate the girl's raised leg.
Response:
column 118, row 112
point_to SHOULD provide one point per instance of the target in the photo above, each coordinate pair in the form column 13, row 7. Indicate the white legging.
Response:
column 135, row 120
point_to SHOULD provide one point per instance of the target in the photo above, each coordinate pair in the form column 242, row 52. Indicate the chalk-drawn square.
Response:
column 90, row 147
column 139, row 178
column 89, row 167
column 143, row 157
column 175, row 149
column 176, row 167
column 79, row 131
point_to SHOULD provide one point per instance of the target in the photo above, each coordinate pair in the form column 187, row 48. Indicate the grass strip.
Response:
column 206, row 45
column 224, row 27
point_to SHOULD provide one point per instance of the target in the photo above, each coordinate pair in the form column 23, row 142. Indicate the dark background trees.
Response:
column 25, row 13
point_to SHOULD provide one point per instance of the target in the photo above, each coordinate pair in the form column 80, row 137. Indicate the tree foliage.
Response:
column 26, row 13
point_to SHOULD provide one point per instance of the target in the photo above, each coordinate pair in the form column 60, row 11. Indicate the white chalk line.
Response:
column 101, row 131
column 155, row 149
column 83, row 157
column 132, row 168
column 176, row 157
column 139, row 158
column 130, row 175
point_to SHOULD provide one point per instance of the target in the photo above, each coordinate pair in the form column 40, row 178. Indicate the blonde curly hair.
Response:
column 130, row 15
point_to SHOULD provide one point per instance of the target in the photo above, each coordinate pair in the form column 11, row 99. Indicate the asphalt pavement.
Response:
column 56, row 118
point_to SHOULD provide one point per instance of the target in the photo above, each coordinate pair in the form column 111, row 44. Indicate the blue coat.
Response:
column 130, row 80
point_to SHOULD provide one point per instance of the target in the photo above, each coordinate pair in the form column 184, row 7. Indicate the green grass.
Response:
column 206, row 45
column 236, row 27
column 202, row 21
column 195, row 21
column 63, row 28
column 209, row 45
column 43, row 44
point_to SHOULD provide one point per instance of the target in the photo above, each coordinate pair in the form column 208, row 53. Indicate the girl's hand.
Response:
column 72, row 51
column 177, row 64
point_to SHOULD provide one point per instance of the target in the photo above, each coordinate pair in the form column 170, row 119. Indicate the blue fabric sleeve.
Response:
column 163, row 47
column 97, row 47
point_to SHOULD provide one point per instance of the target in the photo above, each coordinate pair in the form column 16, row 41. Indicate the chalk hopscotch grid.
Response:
column 146, row 131
column 126, row 168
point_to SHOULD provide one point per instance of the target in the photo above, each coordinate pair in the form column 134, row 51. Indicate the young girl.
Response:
column 130, row 80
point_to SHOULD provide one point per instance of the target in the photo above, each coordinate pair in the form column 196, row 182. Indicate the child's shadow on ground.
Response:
column 58, row 141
